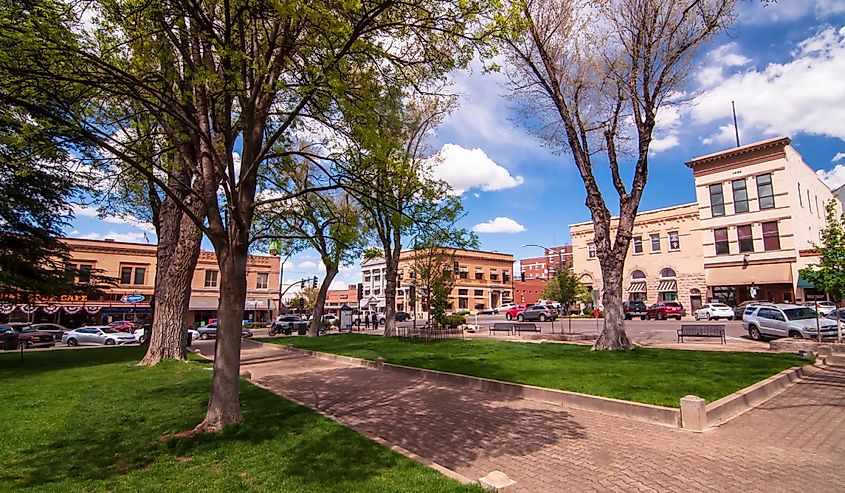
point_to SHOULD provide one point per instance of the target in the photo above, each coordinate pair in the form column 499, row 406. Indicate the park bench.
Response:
column 702, row 330
column 501, row 327
column 525, row 327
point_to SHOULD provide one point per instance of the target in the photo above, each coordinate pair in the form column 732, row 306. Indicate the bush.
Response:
column 256, row 325
column 454, row 320
column 461, row 312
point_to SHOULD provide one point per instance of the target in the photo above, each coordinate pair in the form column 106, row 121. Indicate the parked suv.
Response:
column 23, row 335
column 665, row 309
column 634, row 309
column 538, row 312
column 771, row 320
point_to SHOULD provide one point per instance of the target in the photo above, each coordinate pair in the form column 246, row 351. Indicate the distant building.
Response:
column 373, row 272
column 759, row 210
column 544, row 267
column 336, row 298
column 529, row 291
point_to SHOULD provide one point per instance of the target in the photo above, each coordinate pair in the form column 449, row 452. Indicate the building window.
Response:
column 366, row 292
column 638, row 244
column 494, row 275
column 818, row 211
column 721, row 238
column 479, row 274
column 765, row 193
column 771, row 237
column 463, row 273
column 638, row 274
column 655, row 243
column 479, row 293
column 674, row 240
column 463, row 292
column 591, row 250
column 800, row 198
column 261, row 280
column 211, row 278
column 140, row 274
column 717, row 200
column 127, row 277
column 505, row 277
column 746, row 240
column 81, row 271
column 463, row 303
column 366, row 278
column 668, row 272
column 740, row 195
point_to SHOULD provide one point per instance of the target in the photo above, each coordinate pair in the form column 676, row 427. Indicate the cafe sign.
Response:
column 133, row 298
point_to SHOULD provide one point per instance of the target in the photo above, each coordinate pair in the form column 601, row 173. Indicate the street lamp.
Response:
column 546, row 249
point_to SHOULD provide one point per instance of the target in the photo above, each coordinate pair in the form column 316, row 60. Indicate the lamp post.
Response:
column 546, row 249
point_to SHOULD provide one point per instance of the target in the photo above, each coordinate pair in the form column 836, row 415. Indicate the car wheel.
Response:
column 520, row 317
column 796, row 335
column 72, row 342
column 708, row 317
column 644, row 317
column 542, row 318
column 627, row 317
column 661, row 316
column 754, row 333
column 109, row 342
column 204, row 336
column 142, row 339
column 678, row 318
column 730, row 318
column 508, row 316
column 23, row 345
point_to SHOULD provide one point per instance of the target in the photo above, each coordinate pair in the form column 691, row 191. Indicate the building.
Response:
column 760, row 205
column 484, row 280
column 336, row 298
column 759, row 210
column 664, row 261
column 529, row 291
column 133, row 265
column 373, row 285
column 544, row 267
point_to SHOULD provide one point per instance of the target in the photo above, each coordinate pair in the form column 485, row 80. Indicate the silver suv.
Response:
column 769, row 320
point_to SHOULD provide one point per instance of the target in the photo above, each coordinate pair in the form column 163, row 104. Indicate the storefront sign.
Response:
column 133, row 298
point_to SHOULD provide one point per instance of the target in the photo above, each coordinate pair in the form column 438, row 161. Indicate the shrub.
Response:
column 454, row 320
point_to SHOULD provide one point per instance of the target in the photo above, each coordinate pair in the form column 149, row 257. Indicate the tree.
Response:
column 593, row 75
column 247, row 77
column 565, row 288
column 305, row 300
column 828, row 275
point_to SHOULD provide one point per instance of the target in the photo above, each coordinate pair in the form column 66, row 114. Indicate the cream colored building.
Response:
column 761, row 205
column 664, row 261
column 759, row 211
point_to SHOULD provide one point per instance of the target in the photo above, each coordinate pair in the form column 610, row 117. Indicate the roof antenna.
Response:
column 736, row 127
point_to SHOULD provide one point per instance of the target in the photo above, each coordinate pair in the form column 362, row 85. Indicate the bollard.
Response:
column 499, row 482
column 247, row 375
column 379, row 362
column 693, row 413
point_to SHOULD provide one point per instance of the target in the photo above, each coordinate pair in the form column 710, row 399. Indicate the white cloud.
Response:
column 720, row 58
column 464, row 169
column 833, row 178
column 499, row 225
column 838, row 157
column 85, row 211
column 337, row 284
column 131, row 237
column 307, row 265
column 800, row 96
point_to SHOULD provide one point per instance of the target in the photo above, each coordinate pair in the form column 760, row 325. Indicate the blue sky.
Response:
column 783, row 64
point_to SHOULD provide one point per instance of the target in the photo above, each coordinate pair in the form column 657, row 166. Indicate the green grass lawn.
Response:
column 651, row 376
column 90, row 420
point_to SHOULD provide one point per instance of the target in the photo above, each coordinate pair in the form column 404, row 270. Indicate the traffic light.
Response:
column 314, row 283
column 457, row 266
column 360, row 291
column 301, row 303
column 302, row 284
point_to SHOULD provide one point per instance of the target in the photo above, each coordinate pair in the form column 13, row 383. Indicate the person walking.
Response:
column 366, row 321
column 375, row 321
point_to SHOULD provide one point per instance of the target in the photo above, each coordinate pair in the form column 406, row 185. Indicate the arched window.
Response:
column 667, row 272
column 638, row 274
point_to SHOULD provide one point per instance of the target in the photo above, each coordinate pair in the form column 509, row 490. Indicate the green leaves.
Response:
column 828, row 275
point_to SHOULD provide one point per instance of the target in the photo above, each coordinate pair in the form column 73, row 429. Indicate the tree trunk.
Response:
column 319, row 305
column 390, row 273
column 613, row 335
column 224, row 406
column 176, row 259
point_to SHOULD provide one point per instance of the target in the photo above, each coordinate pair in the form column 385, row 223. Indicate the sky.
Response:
column 782, row 63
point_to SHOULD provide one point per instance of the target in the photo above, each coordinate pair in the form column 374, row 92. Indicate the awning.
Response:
column 667, row 286
column 745, row 275
column 206, row 303
column 637, row 287
column 266, row 304
column 804, row 283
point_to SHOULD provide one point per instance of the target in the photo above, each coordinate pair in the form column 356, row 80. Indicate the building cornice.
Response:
column 774, row 146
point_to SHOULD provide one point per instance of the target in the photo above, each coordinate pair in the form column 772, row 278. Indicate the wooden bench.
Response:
column 525, row 327
column 702, row 330
column 501, row 327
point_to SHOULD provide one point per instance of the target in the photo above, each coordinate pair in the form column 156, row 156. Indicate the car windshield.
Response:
column 799, row 313
column 27, row 328
column 109, row 330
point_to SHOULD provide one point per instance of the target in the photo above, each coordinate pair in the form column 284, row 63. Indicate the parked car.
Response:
column 97, row 335
column 823, row 307
column 513, row 312
column 124, row 325
column 286, row 324
column 55, row 330
column 400, row 317
column 772, row 320
column 665, row 309
column 503, row 308
column 487, row 311
column 634, row 309
column 210, row 332
column 714, row 311
column 140, row 335
column 740, row 308
column 837, row 314
column 538, row 312
column 24, row 336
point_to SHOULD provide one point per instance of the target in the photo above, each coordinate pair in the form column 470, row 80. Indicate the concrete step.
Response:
column 837, row 359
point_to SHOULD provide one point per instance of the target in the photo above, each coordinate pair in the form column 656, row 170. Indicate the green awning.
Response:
column 804, row 283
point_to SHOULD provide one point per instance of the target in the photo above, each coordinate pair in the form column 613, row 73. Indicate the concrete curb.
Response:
column 664, row 416
column 734, row 405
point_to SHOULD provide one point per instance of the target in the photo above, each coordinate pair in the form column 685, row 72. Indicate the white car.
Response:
column 97, row 335
column 139, row 335
column 503, row 308
column 714, row 311
column 823, row 307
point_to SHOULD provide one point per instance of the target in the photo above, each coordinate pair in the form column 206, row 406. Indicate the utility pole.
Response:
column 736, row 127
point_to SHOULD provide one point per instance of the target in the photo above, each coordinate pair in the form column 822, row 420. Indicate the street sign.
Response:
column 133, row 298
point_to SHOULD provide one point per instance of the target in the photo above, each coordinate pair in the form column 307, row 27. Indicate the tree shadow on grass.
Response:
column 454, row 427
column 60, row 359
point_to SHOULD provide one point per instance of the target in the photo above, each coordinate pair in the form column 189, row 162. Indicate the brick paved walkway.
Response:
column 794, row 442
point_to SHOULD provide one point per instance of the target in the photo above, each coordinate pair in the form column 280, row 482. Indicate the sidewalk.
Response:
column 794, row 442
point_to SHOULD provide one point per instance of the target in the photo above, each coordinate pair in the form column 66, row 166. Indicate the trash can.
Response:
column 190, row 338
column 302, row 328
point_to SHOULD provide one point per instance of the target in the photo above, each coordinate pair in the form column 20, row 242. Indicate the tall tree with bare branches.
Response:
column 594, row 75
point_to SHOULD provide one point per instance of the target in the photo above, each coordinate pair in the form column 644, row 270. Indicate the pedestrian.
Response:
column 366, row 321
column 375, row 321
